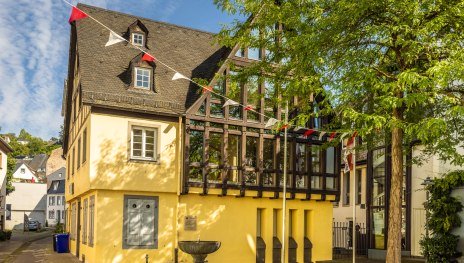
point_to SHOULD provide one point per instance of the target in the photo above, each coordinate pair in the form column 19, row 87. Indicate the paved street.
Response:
column 30, row 248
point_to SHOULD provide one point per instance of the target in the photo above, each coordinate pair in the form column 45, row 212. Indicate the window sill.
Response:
column 137, row 160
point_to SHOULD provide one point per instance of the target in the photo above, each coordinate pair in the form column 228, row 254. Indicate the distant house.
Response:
column 26, row 201
column 56, row 202
column 24, row 173
column 59, row 174
column 4, row 150
column 55, row 161
column 38, row 164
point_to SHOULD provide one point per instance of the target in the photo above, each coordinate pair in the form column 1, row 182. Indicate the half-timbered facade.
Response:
column 153, row 161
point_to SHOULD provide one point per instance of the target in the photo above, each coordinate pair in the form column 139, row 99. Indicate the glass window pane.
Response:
column 301, row 157
column 316, row 158
column 214, row 176
column 378, row 191
column 196, row 146
column 254, row 53
column 233, row 150
column 289, row 155
column 268, row 154
column 215, row 148
column 251, row 151
column 378, row 216
column 216, row 110
column 251, row 178
column 330, row 160
column 316, row 182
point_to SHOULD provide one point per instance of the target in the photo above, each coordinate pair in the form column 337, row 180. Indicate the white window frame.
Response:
column 135, row 36
column 155, row 143
column 51, row 214
column 136, row 70
column 58, row 200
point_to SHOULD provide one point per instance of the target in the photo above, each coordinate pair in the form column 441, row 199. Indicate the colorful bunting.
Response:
column 230, row 102
column 248, row 108
column 76, row 14
column 114, row 39
column 308, row 133
column 177, row 76
column 148, row 57
column 285, row 126
column 207, row 89
column 321, row 134
column 271, row 122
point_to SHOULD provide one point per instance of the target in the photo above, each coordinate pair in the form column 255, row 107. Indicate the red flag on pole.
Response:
column 148, row 57
column 308, row 133
column 76, row 14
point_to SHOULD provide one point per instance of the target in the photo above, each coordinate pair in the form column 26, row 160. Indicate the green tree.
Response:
column 388, row 69
column 11, row 163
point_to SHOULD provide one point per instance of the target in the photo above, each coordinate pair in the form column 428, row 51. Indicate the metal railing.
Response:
column 342, row 240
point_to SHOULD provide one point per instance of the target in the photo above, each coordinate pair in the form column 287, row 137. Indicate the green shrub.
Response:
column 59, row 228
column 2, row 236
column 441, row 245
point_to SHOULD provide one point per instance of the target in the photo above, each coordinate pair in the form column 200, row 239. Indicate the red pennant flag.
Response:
column 76, row 14
column 308, row 133
column 351, row 139
column 284, row 127
column 207, row 89
column 148, row 57
column 248, row 108
column 332, row 136
column 350, row 161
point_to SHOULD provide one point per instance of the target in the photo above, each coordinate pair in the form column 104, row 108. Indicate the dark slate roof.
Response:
column 56, row 175
column 59, row 189
column 105, row 74
column 39, row 161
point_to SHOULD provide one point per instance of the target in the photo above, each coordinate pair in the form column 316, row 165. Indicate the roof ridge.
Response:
column 148, row 19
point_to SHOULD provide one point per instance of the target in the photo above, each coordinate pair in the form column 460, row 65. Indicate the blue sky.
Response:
column 34, row 42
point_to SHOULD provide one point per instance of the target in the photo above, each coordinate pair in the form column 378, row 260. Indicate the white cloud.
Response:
column 34, row 42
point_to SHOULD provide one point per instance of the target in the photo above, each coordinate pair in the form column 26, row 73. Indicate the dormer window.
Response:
column 142, row 78
column 137, row 39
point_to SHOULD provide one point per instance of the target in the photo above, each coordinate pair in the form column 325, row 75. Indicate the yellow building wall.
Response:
column 111, row 167
column 231, row 220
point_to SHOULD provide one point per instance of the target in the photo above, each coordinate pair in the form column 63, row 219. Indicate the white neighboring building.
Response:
column 27, row 200
column 4, row 150
column 23, row 173
column 56, row 203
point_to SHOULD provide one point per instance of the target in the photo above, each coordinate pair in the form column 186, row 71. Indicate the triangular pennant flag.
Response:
column 343, row 136
column 114, row 39
column 230, row 102
column 332, row 136
column 308, row 133
column 76, row 14
column 148, row 57
column 177, row 76
column 285, row 126
column 207, row 89
column 321, row 134
column 297, row 128
column 248, row 108
column 271, row 122
column 350, row 141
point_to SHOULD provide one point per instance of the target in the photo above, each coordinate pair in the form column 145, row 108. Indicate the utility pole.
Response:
column 284, row 199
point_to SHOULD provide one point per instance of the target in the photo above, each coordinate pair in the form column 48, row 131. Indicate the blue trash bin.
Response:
column 62, row 243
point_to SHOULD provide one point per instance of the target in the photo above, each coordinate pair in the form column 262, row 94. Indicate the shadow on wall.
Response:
column 115, row 171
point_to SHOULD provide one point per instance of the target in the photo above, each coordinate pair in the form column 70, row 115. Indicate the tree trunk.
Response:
column 394, row 215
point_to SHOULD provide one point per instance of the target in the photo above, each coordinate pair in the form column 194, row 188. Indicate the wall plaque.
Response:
column 190, row 223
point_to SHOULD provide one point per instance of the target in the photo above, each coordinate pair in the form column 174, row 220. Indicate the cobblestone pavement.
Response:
column 38, row 251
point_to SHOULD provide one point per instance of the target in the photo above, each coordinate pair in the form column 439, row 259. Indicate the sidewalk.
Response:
column 18, row 238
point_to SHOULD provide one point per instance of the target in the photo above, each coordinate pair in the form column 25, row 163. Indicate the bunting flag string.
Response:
column 76, row 14
column 114, row 38
column 177, row 76
column 348, row 155
column 147, row 57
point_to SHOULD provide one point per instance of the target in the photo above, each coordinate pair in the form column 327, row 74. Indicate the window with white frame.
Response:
column 140, row 222
column 51, row 214
column 137, row 39
column 143, row 143
column 58, row 200
column 51, row 200
column 142, row 78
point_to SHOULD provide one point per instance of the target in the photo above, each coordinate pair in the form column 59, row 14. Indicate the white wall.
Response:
column 29, row 199
column 459, row 193
column 55, row 207
column 27, row 175
column 3, row 165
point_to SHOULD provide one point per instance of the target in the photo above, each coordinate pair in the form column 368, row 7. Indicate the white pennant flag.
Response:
column 178, row 76
column 271, row 122
column 343, row 136
column 321, row 135
column 230, row 102
column 114, row 39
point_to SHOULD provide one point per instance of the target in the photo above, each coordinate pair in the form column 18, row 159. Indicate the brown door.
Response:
column 78, row 236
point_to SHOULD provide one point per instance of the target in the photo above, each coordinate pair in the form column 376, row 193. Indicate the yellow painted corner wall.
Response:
column 233, row 221
column 109, row 155
column 109, row 229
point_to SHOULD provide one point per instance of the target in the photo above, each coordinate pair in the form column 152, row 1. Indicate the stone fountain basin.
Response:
column 199, row 247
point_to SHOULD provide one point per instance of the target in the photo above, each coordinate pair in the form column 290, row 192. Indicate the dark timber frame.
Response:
column 202, row 118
